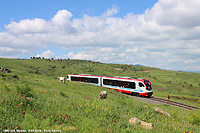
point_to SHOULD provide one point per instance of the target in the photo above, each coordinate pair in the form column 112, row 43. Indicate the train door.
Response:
column 122, row 84
column 79, row 79
column 142, row 86
column 100, row 81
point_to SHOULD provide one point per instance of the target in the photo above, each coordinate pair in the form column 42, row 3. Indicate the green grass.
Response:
column 36, row 100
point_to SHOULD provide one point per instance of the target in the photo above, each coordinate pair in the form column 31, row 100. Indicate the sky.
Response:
column 156, row 33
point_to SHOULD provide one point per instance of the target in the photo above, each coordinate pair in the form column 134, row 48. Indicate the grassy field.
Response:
column 32, row 99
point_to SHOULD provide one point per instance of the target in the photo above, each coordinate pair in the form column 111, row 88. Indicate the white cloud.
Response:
column 62, row 17
column 28, row 26
column 80, row 55
column 132, row 50
column 7, row 52
column 46, row 54
column 114, row 10
column 165, row 36
column 108, row 55
column 190, row 61
column 180, row 13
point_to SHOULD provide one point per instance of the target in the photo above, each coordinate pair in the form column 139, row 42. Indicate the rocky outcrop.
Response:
column 159, row 110
column 136, row 121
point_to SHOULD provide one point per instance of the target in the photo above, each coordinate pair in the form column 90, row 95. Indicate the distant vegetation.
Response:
column 32, row 98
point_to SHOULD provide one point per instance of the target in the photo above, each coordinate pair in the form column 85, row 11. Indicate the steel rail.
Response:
column 181, row 105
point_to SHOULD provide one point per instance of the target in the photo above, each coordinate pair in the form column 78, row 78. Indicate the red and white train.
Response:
column 140, row 87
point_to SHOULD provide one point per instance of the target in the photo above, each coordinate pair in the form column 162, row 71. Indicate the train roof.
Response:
column 115, row 77
column 125, row 78
column 86, row 75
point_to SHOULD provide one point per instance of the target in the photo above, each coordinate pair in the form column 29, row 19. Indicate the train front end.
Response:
column 146, row 88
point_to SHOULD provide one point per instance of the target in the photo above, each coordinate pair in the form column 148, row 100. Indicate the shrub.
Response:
column 15, row 76
column 195, row 119
column 198, row 101
column 53, row 66
column 2, row 75
column 63, row 94
column 90, row 70
column 7, row 89
column 25, row 91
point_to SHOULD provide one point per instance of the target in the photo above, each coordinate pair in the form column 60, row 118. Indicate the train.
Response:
column 133, row 86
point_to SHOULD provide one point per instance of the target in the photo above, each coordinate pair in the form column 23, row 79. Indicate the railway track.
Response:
column 177, row 104
column 158, row 100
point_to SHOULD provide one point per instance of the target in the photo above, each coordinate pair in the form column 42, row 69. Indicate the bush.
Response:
column 6, row 76
column 63, row 94
column 90, row 70
column 15, row 76
column 7, row 89
column 25, row 91
column 195, row 119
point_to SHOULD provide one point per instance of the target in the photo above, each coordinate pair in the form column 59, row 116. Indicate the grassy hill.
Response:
column 32, row 98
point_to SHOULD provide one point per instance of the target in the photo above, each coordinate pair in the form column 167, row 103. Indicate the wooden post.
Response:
column 168, row 99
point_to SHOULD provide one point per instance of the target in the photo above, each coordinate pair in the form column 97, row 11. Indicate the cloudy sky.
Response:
column 157, row 33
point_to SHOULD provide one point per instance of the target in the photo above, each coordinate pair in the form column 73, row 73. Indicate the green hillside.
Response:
column 32, row 98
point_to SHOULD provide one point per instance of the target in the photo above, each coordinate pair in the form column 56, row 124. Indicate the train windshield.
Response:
column 148, row 84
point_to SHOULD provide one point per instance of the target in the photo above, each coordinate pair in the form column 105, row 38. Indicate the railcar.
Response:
column 87, row 78
column 140, row 87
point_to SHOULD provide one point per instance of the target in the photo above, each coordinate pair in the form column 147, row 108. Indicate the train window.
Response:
column 89, row 80
column 110, row 82
column 141, row 84
column 148, row 84
column 85, row 79
column 130, row 85
column 105, row 81
column 74, row 78
column 94, row 80
column 117, row 83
